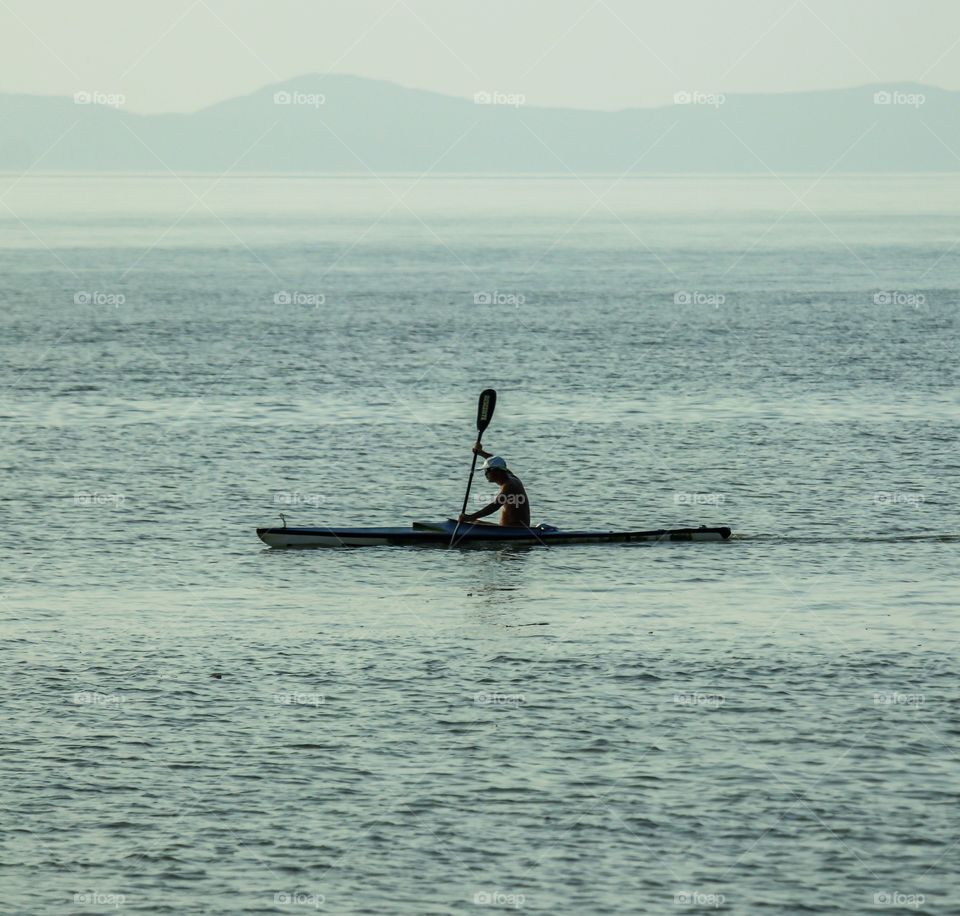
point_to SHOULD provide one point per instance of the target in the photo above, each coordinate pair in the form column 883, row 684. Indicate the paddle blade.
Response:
column 488, row 401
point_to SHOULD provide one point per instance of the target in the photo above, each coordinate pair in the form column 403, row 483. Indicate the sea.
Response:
column 196, row 723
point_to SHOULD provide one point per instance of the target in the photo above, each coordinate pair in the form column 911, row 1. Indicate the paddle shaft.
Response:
column 473, row 469
column 485, row 408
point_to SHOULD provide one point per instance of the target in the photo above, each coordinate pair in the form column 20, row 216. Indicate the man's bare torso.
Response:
column 515, row 511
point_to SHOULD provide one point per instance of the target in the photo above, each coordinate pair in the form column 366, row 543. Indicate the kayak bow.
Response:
column 426, row 534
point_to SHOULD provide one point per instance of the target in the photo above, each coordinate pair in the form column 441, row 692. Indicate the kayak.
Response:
column 439, row 534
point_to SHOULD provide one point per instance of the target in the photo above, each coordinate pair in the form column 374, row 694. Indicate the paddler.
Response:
column 511, row 500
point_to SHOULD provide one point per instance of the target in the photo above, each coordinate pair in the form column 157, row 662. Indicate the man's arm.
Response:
column 486, row 510
column 479, row 451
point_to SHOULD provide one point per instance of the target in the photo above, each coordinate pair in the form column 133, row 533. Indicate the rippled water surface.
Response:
column 195, row 723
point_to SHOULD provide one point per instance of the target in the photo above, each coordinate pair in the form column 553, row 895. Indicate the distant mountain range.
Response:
column 340, row 123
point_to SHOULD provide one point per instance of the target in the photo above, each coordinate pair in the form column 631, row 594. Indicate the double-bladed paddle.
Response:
column 485, row 407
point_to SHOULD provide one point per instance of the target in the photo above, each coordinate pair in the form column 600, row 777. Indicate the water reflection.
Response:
column 499, row 577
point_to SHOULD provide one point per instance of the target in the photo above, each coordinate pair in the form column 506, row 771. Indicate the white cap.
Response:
column 493, row 463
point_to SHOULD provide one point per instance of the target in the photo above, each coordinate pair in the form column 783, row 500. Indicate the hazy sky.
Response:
column 180, row 55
